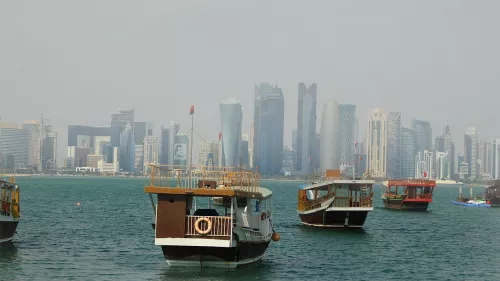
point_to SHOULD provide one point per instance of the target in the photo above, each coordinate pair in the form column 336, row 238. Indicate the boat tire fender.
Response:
column 197, row 225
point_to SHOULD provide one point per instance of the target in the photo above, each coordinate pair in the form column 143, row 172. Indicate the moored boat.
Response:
column 193, row 232
column 408, row 194
column 10, row 210
column 471, row 201
column 334, row 202
column 493, row 194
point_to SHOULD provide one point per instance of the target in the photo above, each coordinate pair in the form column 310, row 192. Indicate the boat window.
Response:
column 255, row 204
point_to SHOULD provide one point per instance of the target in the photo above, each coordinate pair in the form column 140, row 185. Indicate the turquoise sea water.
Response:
column 109, row 237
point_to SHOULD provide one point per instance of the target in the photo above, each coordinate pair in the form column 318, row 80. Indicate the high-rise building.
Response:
column 408, row 152
column 181, row 152
column 495, row 159
column 424, row 134
column 139, row 158
column 484, row 160
column 250, row 145
column 376, row 144
column 348, row 130
column 151, row 152
column 14, row 146
column 78, row 134
column 244, row 152
column 140, row 132
column 49, row 149
column 471, row 151
column 208, row 155
column 330, row 137
column 164, row 145
column 118, row 122
column 231, row 118
column 306, row 126
column 127, row 149
column 33, row 128
column 394, row 145
column 269, row 119
column 99, row 143
column 174, row 129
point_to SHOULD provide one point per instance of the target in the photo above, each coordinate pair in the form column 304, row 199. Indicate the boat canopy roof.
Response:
column 325, row 184
column 411, row 182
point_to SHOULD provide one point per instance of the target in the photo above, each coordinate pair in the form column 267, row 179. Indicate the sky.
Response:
column 80, row 61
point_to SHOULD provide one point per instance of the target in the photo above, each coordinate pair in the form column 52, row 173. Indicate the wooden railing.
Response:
column 313, row 204
column 422, row 182
column 228, row 177
column 221, row 227
column 360, row 201
column 422, row 196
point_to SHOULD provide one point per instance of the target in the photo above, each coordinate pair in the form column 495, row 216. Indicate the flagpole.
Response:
column 191, row 112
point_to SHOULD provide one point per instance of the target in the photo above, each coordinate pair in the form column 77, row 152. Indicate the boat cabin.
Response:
column 9, row 199
column 411, row 189
column 344, row 194
column 185, row 214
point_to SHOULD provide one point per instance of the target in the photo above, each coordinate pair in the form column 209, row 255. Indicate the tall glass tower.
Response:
column 269, row 118
column 231, row 118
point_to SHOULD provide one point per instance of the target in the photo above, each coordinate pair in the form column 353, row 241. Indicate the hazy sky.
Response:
column 79, row 61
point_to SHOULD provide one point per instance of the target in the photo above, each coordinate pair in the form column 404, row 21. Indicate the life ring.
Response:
column 263, row 216
column 197, row 225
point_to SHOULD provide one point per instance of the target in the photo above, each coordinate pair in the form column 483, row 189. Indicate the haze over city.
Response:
column 79, row 62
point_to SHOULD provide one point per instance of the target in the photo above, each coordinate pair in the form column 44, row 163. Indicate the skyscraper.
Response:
column 376, row 144
column 306, row 126
column 208, row 155
column 231, row 118
column 118, row 122
column 244, row 152
column 14, row 146
column 330, row 137
column 269, row 118
column 151, row 152
column 33, row 128
column 49, row 149
column 471, row 151
column 173, row 130
column 495, row 159
column 394, row 145
column 127, row 149
column 408, row 152
column 164, row 145
column 347, row 133
column 424, row 134
column 181, row 152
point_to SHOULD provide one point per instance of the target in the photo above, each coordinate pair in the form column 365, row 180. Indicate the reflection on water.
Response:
column 8, row 252
column 258, row 271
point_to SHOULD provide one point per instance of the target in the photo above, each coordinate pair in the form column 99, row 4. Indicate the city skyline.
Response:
column 365, row 54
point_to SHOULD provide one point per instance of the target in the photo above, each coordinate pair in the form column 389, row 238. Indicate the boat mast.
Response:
column 191, row 112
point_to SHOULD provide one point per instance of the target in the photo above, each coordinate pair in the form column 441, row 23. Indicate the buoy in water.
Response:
column 78, row 204
column 275, row 236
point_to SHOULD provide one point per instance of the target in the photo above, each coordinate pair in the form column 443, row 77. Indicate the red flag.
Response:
column 220, row 136
column 191, row 110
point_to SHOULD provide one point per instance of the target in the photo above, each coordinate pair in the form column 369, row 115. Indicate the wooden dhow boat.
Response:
column 10, row 209
column 335, row 202
column 194, row 232
column 493, row 194
column 408, row 194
